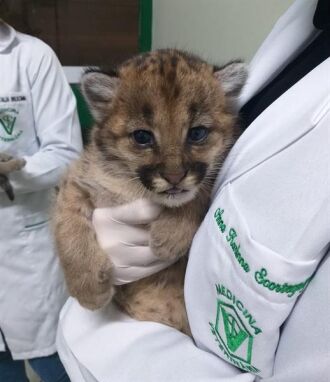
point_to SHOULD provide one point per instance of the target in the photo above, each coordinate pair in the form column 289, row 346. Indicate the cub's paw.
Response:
column 93, row 289
column 18, row 164
column 171, row 235
column 166, row 246
column 11, row 165
column 5, row 157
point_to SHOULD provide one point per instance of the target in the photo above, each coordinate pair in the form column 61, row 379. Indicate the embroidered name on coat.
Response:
column 231, row 239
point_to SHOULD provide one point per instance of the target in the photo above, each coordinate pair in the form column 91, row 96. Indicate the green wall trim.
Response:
column 145, row 25
column 85, row 117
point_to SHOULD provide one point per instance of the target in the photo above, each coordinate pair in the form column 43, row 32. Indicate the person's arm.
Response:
column 56, row 123
column 264, row 235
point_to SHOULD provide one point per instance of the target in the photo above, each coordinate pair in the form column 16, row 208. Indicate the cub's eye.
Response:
column 143, row 137
column 197, row 134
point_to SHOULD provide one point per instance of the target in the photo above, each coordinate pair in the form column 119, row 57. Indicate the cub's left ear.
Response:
column 232, row 78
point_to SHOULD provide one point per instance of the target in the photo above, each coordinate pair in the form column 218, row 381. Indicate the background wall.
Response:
column 81, row 32
column 218, row 30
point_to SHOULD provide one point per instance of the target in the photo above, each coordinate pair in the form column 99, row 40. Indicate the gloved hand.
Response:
column 123, row 233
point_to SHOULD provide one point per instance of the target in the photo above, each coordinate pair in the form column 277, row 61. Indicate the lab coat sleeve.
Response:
column 264, row 236
column 56, row 124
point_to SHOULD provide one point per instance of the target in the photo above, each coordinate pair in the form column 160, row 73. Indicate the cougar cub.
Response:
column 163, row 124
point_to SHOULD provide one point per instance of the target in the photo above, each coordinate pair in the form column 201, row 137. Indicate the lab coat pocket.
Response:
column 37, row 236
column 239, row 292
column 263, row 270
column 36, row 221
column 45, row 275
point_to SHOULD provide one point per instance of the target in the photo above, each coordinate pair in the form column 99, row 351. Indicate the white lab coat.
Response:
column 39, row 122
column 273, row 191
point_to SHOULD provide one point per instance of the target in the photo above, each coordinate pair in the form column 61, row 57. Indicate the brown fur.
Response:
column 166, row 92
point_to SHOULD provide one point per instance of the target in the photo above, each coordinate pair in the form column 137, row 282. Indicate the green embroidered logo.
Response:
column 233, row 329
column 8, row 118
column 234, row 333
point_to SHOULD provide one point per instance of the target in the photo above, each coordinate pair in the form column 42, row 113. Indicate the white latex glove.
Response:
column 123, row 235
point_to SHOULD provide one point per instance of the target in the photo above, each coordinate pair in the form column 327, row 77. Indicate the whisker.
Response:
column 133, row 179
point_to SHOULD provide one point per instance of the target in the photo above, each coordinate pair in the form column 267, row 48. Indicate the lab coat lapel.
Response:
column 290, row 35
column 288, row 119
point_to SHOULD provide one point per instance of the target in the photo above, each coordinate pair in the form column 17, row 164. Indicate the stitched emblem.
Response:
column 8, row 117
column 234, row 329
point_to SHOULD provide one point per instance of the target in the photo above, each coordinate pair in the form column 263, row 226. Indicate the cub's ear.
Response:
column 232, row 78
column 99, row 90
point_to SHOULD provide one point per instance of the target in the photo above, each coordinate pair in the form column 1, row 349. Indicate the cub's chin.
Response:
column 174, row 199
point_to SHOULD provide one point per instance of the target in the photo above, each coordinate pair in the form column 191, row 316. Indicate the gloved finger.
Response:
column 108, row 234
column 140, row 211
column 133, row 256
column 125, row 275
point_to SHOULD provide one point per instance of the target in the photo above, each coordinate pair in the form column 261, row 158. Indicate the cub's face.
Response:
column 163, row 122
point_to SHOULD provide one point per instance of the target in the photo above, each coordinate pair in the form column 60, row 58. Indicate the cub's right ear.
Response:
column 99, row 90
column 232, row 78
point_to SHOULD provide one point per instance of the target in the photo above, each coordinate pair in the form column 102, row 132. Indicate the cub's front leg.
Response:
column 174, row 230
column 86, row 268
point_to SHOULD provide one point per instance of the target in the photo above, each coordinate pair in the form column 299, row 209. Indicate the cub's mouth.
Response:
column 174, row 191
column 175, row 196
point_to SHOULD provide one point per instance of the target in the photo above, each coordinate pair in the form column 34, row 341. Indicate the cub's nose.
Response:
column 174, row 178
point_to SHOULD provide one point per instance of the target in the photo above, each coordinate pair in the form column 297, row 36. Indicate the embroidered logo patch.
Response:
column 235, row 333
column 234, row 330
column 8, row 119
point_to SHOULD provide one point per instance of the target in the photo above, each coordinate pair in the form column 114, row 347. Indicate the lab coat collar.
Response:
column 289, row 37
column 288, row 119
column 292, row 32
column 7, row 35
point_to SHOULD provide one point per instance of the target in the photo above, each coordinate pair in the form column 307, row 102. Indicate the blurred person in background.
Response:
column 39, row 124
